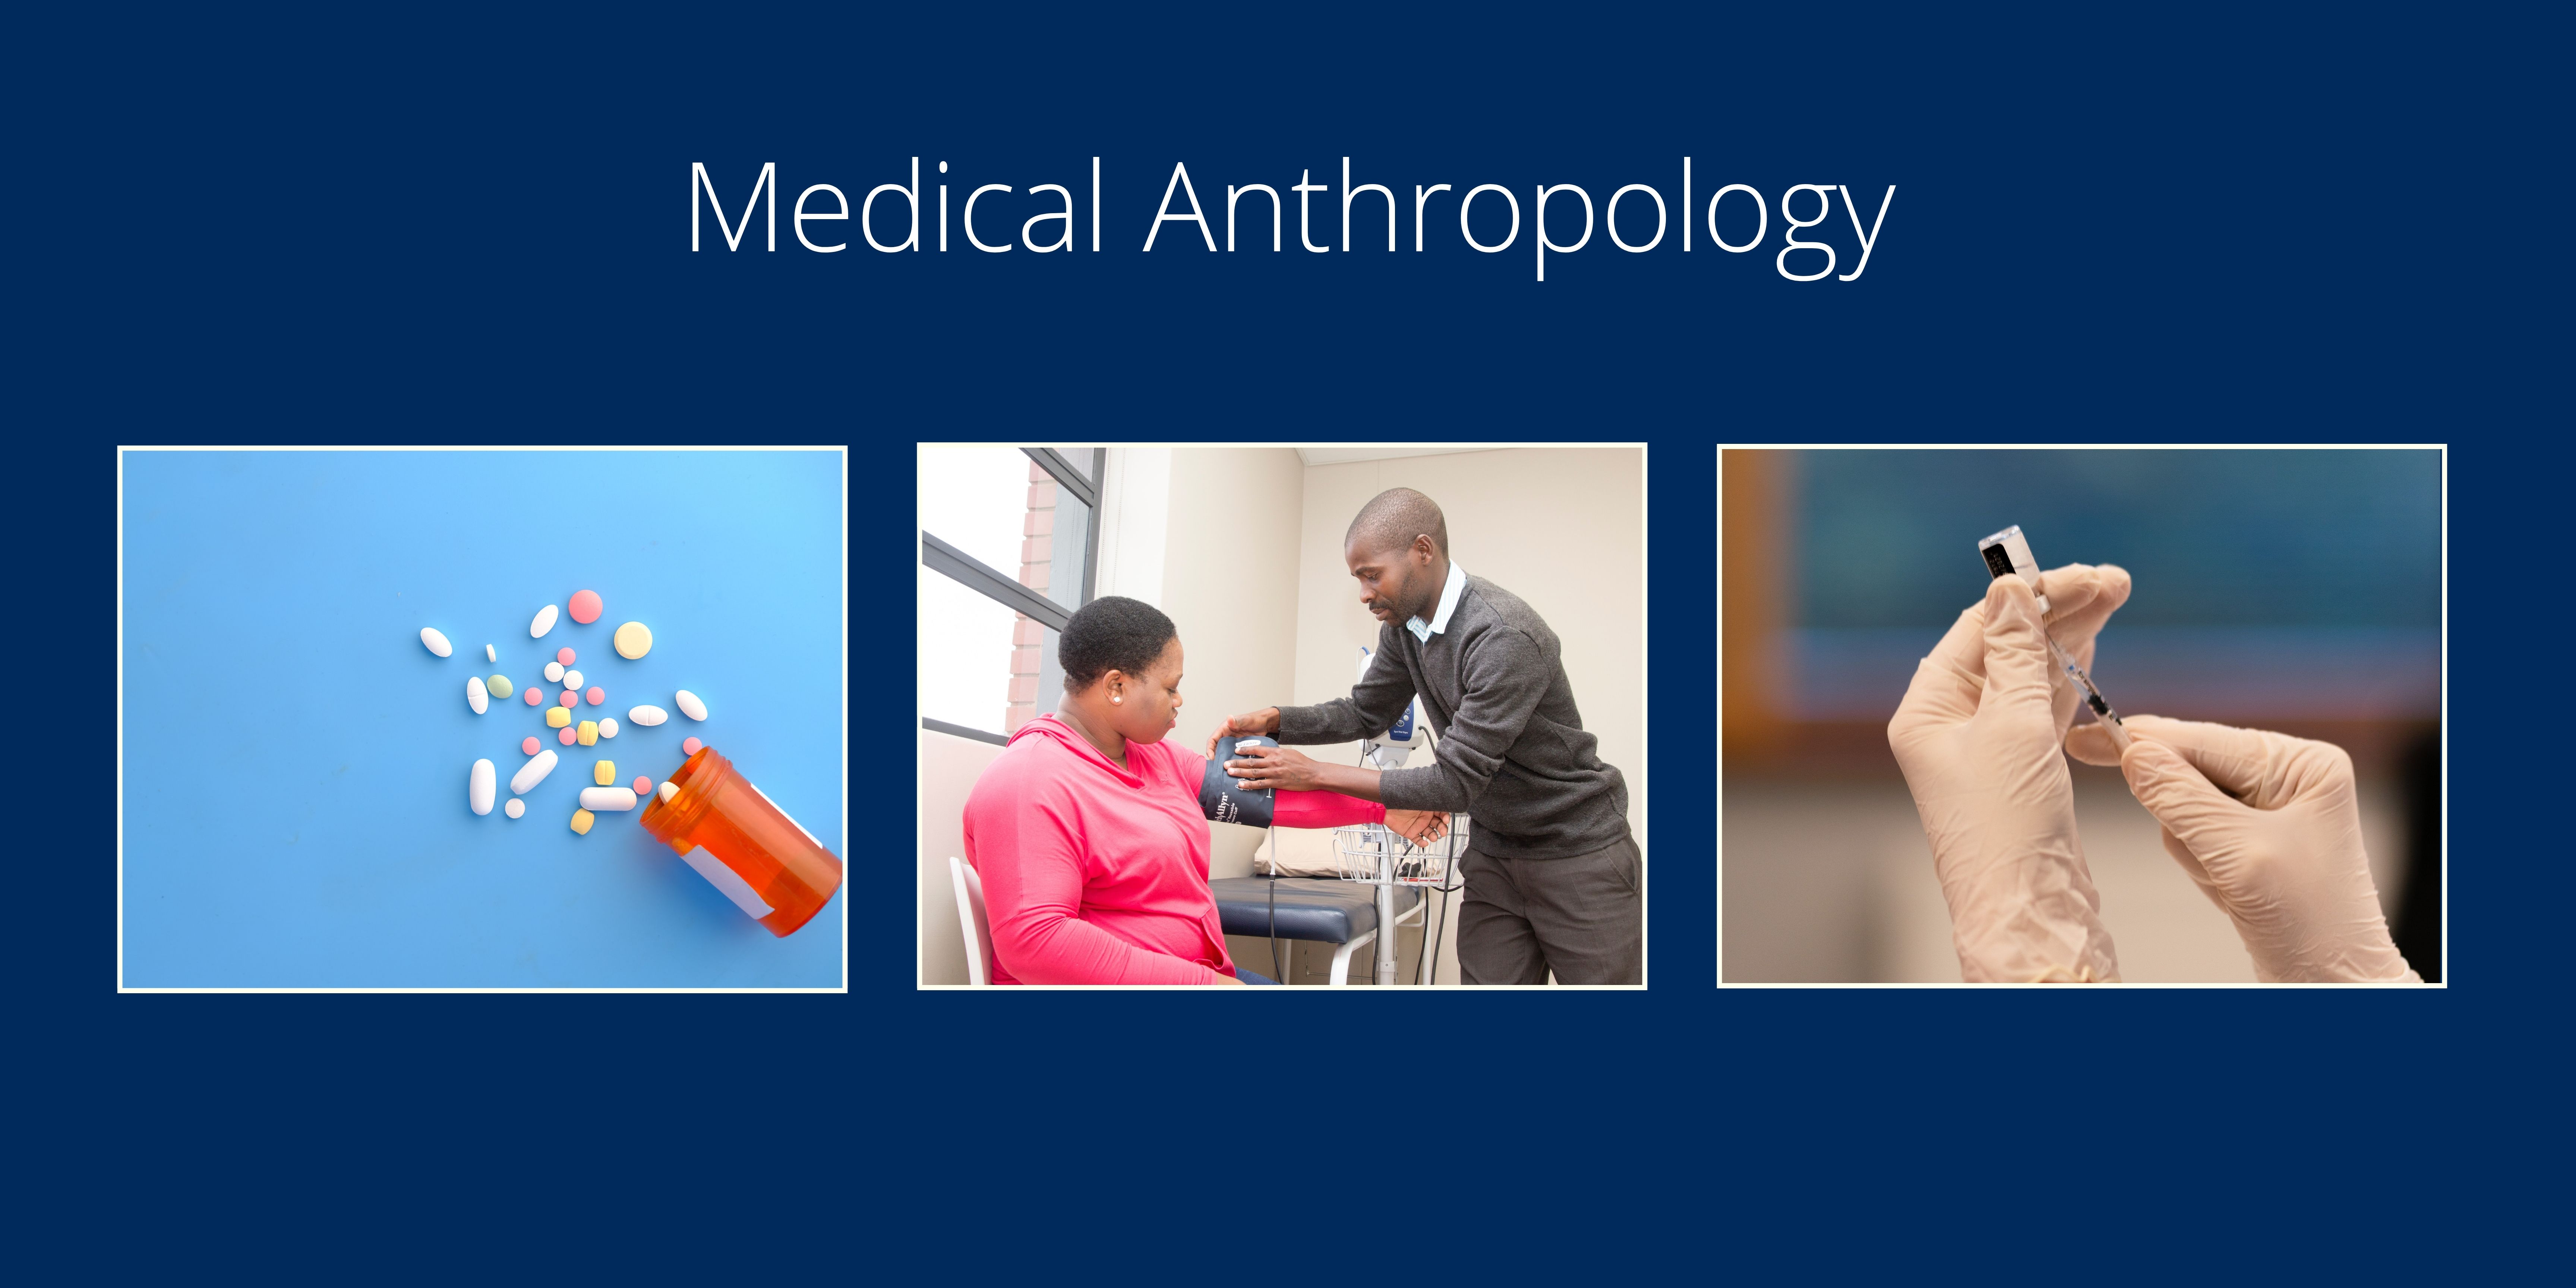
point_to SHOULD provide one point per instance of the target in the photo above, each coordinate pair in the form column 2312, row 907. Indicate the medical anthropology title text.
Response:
column 1489, row 217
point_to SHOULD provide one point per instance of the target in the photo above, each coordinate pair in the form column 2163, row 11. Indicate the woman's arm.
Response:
column 1223, row 802
column 1323, row 809
column 1316, row 804
column 1031, row 865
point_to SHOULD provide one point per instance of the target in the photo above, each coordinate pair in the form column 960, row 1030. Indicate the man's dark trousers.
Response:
column 1580, row 917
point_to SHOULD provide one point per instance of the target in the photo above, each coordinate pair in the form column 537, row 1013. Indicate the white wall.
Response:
column 1230, row 585
column 1135, row 513
column 1563, row 528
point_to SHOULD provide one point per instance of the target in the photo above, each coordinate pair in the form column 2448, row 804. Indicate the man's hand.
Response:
column 1284, row 768
column 1420, row 826
column 1266, row 720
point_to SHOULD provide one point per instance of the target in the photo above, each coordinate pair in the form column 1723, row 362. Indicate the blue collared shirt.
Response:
column 1448, row 604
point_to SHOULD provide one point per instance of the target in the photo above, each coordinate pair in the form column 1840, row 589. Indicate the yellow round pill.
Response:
column 581, row 821
column 634, row 640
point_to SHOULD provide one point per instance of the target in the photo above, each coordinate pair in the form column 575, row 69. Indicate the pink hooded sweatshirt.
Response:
column 1099, row 875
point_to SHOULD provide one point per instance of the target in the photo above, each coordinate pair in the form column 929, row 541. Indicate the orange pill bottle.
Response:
column 722, row 826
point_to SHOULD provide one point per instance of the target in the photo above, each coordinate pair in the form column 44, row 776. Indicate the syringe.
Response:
column 2007, row 553
column 2093, row 698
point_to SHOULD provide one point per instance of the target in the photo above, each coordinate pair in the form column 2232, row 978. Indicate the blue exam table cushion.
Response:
column 1319, row 911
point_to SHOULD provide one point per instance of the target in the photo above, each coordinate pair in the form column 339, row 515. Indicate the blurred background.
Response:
column 2296, row 590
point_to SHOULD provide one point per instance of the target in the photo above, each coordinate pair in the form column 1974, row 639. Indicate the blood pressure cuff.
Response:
column 1221, row 795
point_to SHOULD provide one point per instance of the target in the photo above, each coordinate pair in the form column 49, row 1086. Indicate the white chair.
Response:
column 971, row 919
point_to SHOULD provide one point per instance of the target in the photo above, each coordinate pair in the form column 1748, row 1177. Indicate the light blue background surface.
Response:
column 296, row 762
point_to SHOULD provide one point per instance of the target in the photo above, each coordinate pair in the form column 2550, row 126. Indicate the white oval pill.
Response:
column 554, row 671
column 689, row 705
column 435, row 642
column 478, row 789
column 545, row 622
column 476, row 696
column 572, row 679
column 646, row 716
column 515, row 808
column 607, row 798
column 489, row 655
column 667, row 790
column 533, row 772
column 608, row 727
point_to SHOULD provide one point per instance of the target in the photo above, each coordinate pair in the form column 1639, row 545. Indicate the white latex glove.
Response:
column 1977, row 737
column 2267, row 826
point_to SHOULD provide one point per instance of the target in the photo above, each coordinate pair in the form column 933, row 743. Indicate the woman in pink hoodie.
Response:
column 1089, row 833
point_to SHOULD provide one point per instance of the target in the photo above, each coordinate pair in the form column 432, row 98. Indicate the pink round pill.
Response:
column 643, row 785
column 585, row 610
column 528, row 746
column 690, row 748
column 565, row 735
column 570, row 697
column 564, row 655
column 534, row 697
column 596, row 695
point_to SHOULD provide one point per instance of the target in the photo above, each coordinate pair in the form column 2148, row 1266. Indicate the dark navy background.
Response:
column 450, row 225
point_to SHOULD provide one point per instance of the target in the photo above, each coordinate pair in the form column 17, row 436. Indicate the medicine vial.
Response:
column 2007, row 553
column 742, row 843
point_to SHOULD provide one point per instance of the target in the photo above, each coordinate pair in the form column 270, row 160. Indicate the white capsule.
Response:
column 608, row 727
column 668, row 789
column 554, row 672
column 476, row 696
column 533, row 772
column 572, row 679
column 489, row 655
column 607, row 798
column 435, row 642
column 478, row 788
column 545, row 622
column 515, row 808
column 689, row 705
column 646, row 716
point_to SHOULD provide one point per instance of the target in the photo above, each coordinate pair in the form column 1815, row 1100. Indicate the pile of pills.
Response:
column 632, row 641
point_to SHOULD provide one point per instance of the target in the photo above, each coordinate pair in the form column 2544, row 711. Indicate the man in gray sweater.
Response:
column 1552, row 874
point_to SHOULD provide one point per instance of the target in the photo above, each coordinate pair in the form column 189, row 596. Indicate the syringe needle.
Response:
column 2007, row 554
column 2102, row 712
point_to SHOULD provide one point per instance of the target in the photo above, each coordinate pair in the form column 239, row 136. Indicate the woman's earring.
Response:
column 1115, row 698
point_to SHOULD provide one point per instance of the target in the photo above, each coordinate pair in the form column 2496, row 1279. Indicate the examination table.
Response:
column 1317, row 910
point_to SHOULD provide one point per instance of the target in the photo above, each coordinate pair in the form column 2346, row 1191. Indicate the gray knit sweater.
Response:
column 1512, row 754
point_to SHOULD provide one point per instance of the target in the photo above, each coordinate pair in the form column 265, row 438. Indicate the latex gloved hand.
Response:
column 2266, row 824
column 1977, row 736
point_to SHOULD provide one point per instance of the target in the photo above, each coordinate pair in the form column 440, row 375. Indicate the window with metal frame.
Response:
column 1009, row 542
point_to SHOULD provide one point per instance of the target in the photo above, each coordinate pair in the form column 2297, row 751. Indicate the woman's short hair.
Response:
column 1111, row 633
